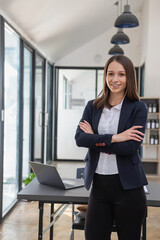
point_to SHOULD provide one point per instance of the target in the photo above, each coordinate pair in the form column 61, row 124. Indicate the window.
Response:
column 49, row 112
column 27, row 80
column 76, row 88
column 67, row 93
column 22, row 101
column 11, row 118
column 39, row 109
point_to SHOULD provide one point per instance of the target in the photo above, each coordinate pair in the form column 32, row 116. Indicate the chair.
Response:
column 78, row 223
column 80, row 172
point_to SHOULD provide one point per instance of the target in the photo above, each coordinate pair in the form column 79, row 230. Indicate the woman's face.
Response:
column 116, row 78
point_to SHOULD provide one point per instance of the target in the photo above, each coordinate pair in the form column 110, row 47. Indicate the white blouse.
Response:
column 108, row 124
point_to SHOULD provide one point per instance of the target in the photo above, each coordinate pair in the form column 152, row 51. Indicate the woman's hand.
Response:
column 130, row 134
column 86, row 127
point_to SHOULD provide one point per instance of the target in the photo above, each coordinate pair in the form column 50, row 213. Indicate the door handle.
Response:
column 40, row 119
column 2, row 115
column 46, row 119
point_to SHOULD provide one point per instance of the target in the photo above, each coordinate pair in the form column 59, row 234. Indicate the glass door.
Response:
column 39, row 109
column 48, row 121
column 27, row 81
column 11, row 118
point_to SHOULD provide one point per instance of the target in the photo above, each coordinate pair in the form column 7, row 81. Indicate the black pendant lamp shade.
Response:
column 120, row 38
column 126, row 19
column 116, row 50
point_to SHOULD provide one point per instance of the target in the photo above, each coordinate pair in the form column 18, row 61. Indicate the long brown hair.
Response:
column 131, row 89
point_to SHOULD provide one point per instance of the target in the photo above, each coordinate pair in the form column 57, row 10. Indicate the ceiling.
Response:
column 58, row 27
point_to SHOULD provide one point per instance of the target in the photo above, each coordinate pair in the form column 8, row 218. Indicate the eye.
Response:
column 110, row 74
column 122, row 74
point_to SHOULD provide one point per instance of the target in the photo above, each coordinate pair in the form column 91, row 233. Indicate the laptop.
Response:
column 48, row 175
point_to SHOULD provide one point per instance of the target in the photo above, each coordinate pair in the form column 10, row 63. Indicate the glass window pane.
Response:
column 38, row 110
column 76, row 88
column 26, row 111
column 50, row 111
column 11, row 123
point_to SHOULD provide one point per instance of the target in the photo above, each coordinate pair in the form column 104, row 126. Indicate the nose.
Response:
column 115, row 78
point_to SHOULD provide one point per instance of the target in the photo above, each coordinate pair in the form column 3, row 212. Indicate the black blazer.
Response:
column 130, row 167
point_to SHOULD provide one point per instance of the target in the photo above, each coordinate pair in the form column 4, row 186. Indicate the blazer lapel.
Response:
column 126, row 110
column 96, row 118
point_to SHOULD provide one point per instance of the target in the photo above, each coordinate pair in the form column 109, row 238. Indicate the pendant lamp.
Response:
column 120, row 38
column 126, row 19
column 116, row 50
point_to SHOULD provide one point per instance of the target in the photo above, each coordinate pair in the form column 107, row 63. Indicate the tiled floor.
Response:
column 22, row 224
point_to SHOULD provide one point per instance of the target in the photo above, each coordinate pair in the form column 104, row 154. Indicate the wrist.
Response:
column 114, row 138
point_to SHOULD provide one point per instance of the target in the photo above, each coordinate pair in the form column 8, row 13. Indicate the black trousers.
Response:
column 108, row 202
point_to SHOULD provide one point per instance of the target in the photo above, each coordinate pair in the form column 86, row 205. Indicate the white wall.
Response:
column 95, row 52
column 152, row 58
column 144, row 35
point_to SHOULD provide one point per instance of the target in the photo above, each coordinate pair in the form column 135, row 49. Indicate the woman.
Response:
column 112, row 128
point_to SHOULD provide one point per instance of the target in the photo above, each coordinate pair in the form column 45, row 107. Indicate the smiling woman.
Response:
column 112, row 128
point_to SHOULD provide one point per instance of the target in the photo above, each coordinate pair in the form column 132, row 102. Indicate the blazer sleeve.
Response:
column 129, row 147
column 87, row 140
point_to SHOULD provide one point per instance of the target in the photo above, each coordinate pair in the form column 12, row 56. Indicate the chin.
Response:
column 117, row 91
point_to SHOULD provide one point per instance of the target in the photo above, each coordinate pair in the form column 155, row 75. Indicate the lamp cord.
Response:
column 120, row 7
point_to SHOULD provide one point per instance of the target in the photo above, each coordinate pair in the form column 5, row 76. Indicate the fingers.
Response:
column 86, row 127
column 136, row 137
column 87, row 123
column 135, row 134
column 138, row 132
column 135, row 127
column 131, row 132
column 83, row 126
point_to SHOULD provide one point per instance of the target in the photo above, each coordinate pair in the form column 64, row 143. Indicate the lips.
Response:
column 115, row 86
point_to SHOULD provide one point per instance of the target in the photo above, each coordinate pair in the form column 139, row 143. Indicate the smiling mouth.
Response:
column 115, row 86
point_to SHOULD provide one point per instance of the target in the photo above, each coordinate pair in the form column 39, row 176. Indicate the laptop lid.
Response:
column 48, row 175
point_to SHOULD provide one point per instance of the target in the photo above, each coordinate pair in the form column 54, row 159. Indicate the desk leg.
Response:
column 40, row 235
column 51, row 219
column 72, row 220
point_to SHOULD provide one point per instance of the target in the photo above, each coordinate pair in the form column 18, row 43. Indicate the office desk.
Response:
column 45, row 194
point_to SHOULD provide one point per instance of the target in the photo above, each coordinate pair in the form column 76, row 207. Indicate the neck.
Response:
column 115, row 99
